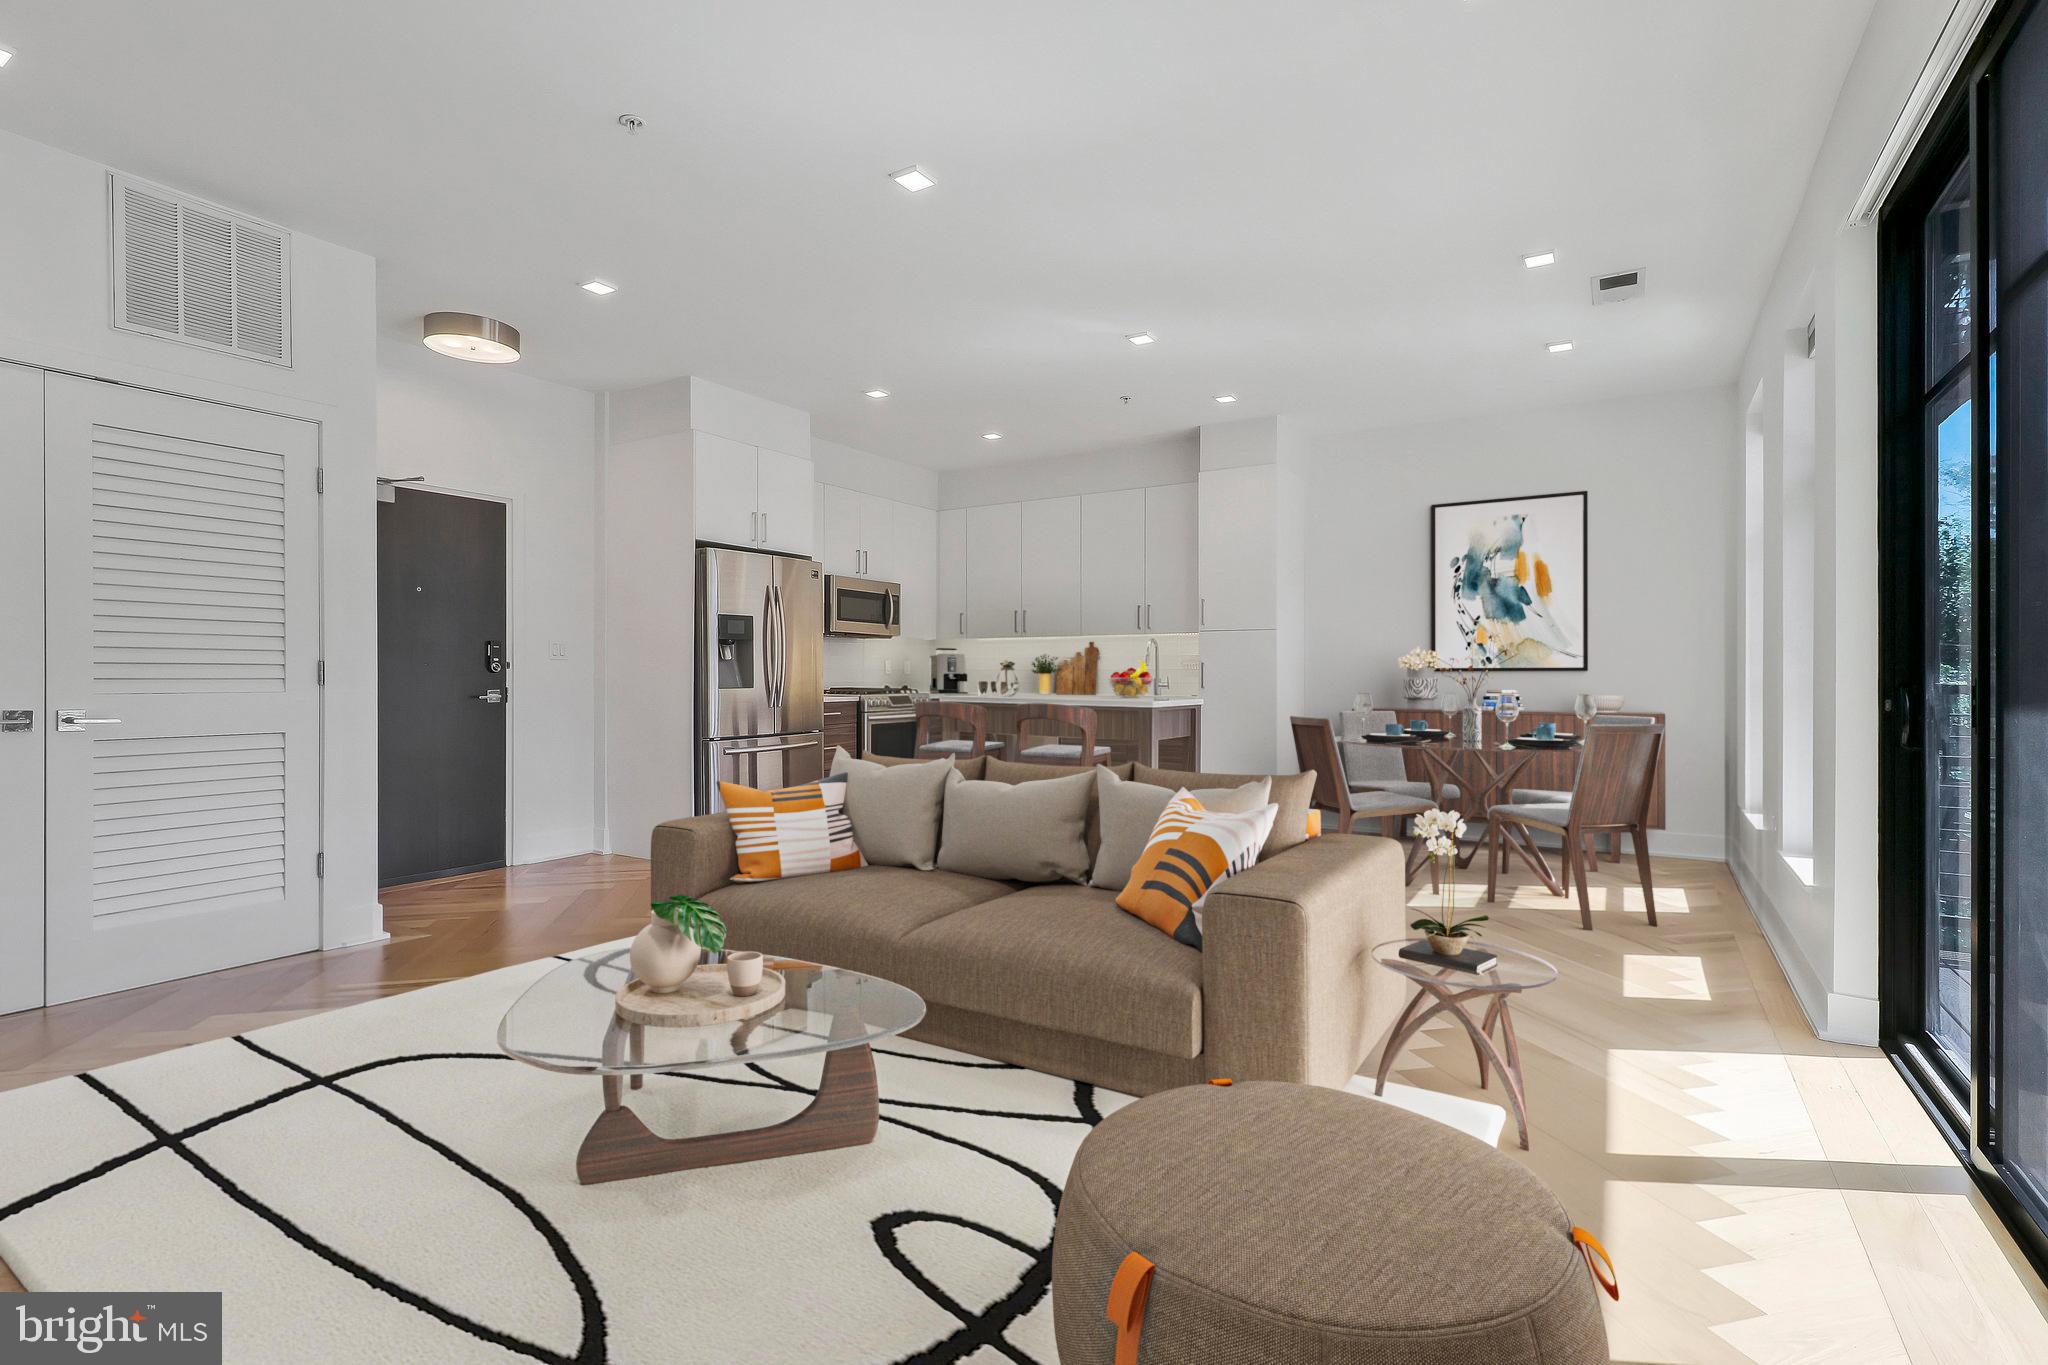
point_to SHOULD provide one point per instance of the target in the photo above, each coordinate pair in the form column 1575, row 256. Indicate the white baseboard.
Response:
column 552, row 844
column 1711, row 848
column 1832, row 1015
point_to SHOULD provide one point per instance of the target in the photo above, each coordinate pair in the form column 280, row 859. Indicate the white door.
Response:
column 917, row 533
column 953, row 573
column 840, row 551
column 995, row 539
column 23, row 734
column 725, row 483
column 1050, row 588
column 183, row 579
column 1240, row 702
column 783, row 491
column 1170, row 538
column 1113, row 562
column 1239, row 585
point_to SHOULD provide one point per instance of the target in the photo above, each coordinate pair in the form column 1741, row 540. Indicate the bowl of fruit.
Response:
column 1132, row 682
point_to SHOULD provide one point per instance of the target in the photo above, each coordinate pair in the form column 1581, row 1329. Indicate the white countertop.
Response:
column 1104, row 699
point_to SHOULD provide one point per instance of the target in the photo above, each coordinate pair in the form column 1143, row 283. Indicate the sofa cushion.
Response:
column 968, row 768
column 895, row 809
column 1294, row 793
column 850, row 919
column 1191, row 852
column 1064, row 958
column 1125, row 813
column 1026, row 832
column 1002, row 770
column 791, row 831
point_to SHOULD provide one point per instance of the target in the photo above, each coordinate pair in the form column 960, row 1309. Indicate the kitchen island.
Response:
column 1161, row 732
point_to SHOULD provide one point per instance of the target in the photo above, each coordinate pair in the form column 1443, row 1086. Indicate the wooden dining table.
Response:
column 1484, row 772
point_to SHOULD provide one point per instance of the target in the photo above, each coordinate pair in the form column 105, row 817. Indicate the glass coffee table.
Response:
column 567, row 1021
column 1447, row 989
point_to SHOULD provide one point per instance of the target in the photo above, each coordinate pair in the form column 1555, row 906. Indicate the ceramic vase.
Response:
column 1449, row 945
column 1471, row 725
column 663, row 957
column 1421, row 684
column 1045, row 682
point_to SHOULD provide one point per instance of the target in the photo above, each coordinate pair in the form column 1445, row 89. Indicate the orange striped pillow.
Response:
column 1191, row 851
column 792, row 831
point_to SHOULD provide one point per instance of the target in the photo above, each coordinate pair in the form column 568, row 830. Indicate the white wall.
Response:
column 1821, row 915
column 54, row 313
column 1170, row 459
column 488, row 430
column 1661, row 477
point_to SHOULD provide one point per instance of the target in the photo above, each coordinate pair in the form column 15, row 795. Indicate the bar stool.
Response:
column 935, row 718
column 1052, row 720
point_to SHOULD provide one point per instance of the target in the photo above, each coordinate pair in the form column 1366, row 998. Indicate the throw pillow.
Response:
column 895, row 810
column 1128, row 811
column 1191, row 852
column 792, row 831
column 1294, row 793
column 1026, row 832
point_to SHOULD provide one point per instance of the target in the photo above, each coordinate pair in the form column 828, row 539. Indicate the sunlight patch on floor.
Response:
column 1653, row 976
column 1707, row 1104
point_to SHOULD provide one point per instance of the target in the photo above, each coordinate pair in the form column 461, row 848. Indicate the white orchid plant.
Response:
column 1420, row 658
column 1439, row 831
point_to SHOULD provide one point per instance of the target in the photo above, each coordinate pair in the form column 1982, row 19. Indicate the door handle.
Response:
column 68, row 721
column 1900, row 706
column 769, row 748
column 497, row 696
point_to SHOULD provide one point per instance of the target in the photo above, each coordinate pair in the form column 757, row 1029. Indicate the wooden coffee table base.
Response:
column 845, row 1113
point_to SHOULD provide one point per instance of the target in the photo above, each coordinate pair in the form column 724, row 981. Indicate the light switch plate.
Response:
column 557, row 650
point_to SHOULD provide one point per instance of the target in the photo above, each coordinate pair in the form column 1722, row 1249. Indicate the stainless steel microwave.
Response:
column 862, row 606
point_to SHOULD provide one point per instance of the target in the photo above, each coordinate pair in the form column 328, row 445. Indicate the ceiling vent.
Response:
column 191, row 271
column 1622, row 284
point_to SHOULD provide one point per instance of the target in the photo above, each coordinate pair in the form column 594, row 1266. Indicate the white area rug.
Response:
column 381, row 1184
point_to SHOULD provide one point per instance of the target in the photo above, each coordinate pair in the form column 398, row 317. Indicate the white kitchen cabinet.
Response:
column 1237, row 551
column 751, row 496
column 880, row 554
column 917, row 541
column 1171, row 533
column 725, row 480
column 952, row 592
column 840, row 550
column 1049, row 568
column 995, row 545
column 784, row 489
column 860, row 535
column 1240, row 702
column 1113, row 562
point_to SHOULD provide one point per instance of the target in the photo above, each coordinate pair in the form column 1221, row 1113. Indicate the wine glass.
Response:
column 1509, row 710
column 1584, row 707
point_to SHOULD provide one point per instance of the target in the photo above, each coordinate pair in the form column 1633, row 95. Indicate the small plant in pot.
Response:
column 1044, row 666
column 1449, row 935
column 668, row 950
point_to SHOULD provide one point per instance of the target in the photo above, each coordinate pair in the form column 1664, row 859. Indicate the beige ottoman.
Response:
column 1289, row 1223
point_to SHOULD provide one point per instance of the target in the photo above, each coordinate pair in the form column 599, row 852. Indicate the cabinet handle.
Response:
column 963, row 623
column 1027, row 621
column 1202, row 612
column 1140, row 622
column 764, row 528
column 1202, row 674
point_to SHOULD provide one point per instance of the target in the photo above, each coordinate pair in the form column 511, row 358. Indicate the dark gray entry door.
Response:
column 440, row 734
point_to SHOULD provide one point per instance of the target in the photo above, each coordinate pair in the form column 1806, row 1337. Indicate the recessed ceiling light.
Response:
column 471, row 336
column 598, row 287
column 1558, row 347
column 1226, row 398
column 1540, row 258
column 1141, row 338
column 913, row 178
column 991, row 436
column 878, row 393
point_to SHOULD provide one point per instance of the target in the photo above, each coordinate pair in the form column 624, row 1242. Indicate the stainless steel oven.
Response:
column 862, row 606
column 888, row 725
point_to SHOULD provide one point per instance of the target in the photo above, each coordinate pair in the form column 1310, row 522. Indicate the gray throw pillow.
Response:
column 1022, row 832
column 1128, row 811
column 895, row 810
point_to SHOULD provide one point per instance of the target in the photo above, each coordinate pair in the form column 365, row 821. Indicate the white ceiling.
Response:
column 1318, row 205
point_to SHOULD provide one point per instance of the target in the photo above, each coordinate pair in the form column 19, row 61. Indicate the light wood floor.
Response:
column 1767, row 1196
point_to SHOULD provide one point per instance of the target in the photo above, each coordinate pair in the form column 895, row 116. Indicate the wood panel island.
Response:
column 1163, row 732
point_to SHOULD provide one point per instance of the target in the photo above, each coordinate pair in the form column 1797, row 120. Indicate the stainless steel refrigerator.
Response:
column 760, row 671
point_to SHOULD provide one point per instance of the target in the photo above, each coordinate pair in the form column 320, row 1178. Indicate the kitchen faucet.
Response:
column 1155, row 661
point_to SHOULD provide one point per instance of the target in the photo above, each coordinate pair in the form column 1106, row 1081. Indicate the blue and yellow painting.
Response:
column 1513, row 587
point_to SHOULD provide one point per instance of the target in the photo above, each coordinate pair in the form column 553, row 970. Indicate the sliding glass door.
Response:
column 1963, row 828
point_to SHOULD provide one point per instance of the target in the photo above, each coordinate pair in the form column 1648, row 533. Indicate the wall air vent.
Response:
column 191, row 271
column 1622, row 284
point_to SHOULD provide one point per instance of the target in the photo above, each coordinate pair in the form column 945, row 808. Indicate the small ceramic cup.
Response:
column 743, row 972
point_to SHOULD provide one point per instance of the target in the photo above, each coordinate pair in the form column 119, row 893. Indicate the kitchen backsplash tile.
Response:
column 883, row 663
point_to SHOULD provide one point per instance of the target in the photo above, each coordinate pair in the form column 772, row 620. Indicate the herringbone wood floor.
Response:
column 1767, row 1196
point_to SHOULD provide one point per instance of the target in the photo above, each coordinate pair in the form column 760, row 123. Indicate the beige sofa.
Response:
column 1057, row 978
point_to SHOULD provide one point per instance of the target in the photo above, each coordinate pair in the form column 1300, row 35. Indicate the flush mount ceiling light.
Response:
column 5, row 56
column 1226, row 398
column 1541, row 258
column 598, row 287
column 1559, row 347
column 913, row 178
column 1141, row 338
column 878, row 393
column 471, row 336
column 991, row 436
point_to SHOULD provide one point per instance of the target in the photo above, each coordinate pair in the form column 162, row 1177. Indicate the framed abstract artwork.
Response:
column 1507, row 582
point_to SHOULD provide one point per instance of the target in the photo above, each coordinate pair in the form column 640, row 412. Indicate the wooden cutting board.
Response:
column 703, row 999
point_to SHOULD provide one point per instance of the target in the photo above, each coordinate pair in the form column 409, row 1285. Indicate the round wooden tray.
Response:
column 703, row 999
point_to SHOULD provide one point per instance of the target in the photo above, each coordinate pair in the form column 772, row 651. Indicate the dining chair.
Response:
column 1613, row 840
column 936, row 718
column 1612, row 795
column 1384, row 768
column 1053, row 720
column 1315, row 750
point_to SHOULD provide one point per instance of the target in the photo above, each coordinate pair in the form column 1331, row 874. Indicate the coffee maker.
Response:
column 949, row 671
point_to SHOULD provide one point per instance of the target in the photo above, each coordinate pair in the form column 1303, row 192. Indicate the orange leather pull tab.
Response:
column 1127, row 1293
column 1589, row 1247
column 1220, row 1080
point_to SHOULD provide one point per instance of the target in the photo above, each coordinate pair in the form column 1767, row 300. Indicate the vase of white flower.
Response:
column 1440, row 831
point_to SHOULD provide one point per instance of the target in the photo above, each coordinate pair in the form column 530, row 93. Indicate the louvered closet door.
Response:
column 183, row 563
